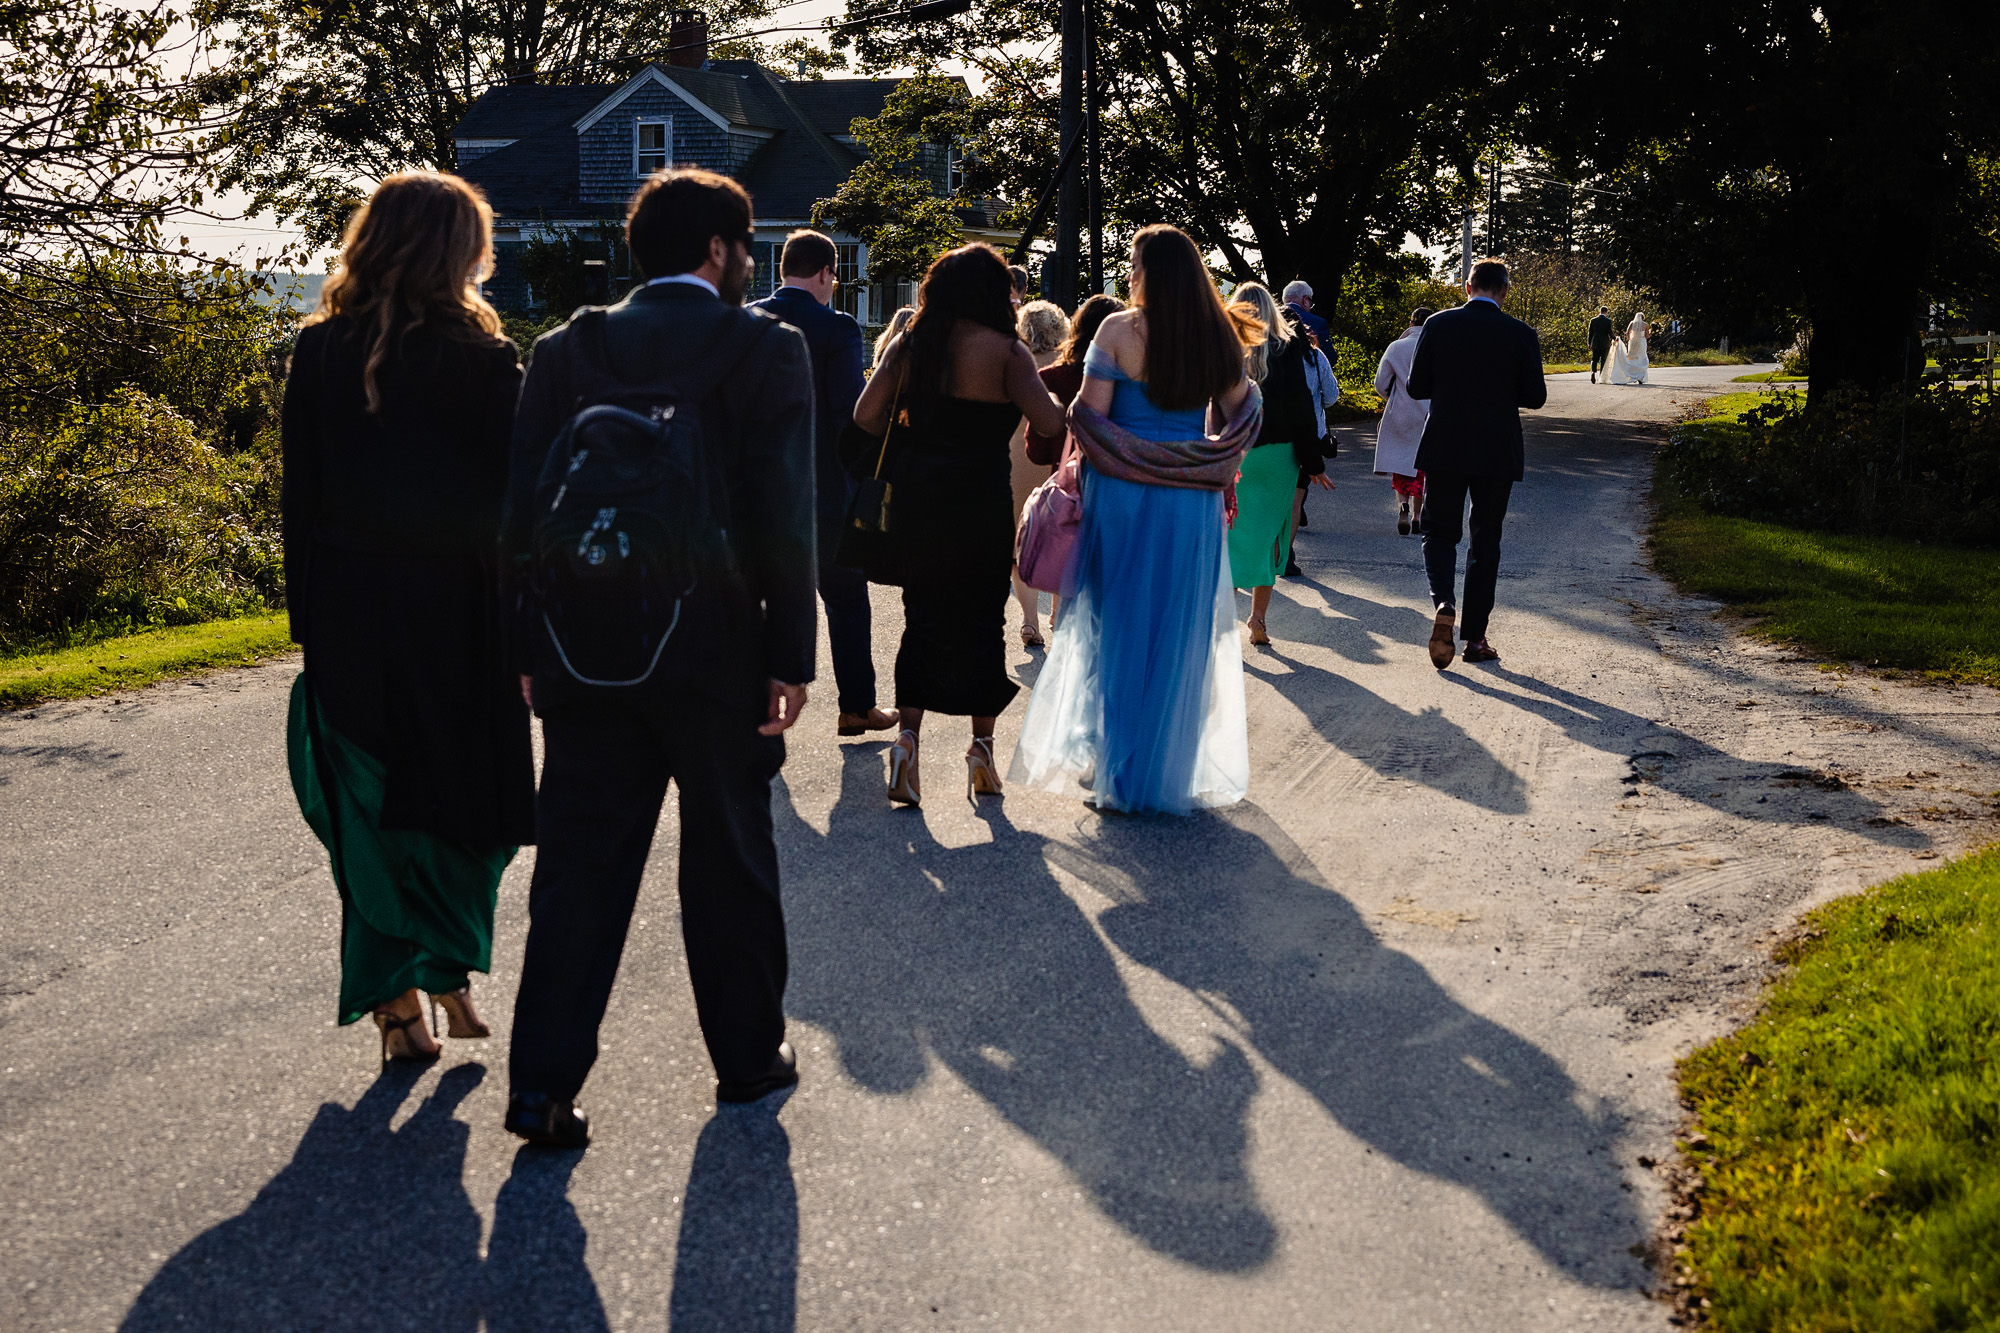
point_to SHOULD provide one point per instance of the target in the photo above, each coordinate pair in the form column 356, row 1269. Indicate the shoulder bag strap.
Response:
column 894, row 402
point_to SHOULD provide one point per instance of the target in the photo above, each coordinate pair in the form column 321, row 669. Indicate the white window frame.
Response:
column 665, row 151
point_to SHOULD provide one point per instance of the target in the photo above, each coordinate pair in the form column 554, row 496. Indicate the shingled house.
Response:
column 567, row 157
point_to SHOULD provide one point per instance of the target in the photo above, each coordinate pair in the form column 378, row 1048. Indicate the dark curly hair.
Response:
column 969, row 283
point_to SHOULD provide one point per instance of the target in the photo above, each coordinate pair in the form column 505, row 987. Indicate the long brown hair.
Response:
column 410, row 258
column 1083, row 328
column 1194, row 344
column 970, row 283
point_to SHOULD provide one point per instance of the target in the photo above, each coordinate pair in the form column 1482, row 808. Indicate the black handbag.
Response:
column 868, row 540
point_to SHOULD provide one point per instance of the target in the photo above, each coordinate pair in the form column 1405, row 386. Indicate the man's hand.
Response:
column 787, row 702
column 528, row 691
column 1321, row 480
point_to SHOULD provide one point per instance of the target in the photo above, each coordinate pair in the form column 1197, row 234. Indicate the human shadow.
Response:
column 1227, row 906
column 1674, row 761
column 535, row 1276
column 736, row 1265
column 1423, row 746
column 907, row 951
column 366, row 1227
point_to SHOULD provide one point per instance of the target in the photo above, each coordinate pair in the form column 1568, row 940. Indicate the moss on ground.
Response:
column 131, row 661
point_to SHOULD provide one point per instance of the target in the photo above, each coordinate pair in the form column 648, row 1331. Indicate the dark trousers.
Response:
column 1444, row 519
column 604, row 777
column 1598, row 356
column 849, row 634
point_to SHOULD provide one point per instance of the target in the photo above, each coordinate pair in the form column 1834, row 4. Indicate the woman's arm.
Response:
column 1118, row 338
column 871, row 410
column 1025, row 388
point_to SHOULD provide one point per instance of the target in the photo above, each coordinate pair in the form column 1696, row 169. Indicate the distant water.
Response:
column 300, row 291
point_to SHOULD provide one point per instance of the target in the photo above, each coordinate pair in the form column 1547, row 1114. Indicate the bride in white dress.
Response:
column 1628, row 354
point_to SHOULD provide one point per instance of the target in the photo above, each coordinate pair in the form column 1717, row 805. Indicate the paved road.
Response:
column 1378, row 1049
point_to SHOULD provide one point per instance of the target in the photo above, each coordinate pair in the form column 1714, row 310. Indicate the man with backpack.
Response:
column 660, row 536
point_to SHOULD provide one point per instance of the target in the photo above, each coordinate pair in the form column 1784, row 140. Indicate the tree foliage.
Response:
column 894, row 201
column 323, row 95
column 1298, row 140
column 1825, row 162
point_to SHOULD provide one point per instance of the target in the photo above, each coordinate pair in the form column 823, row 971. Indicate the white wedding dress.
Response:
column 1628, row 354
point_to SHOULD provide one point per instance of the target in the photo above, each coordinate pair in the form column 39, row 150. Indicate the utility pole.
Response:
column 1493, row 210
column 1094, row 167
column 1059, row 273
column 1465, row 250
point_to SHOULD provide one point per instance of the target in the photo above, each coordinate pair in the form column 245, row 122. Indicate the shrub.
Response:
column 121, row 517
column 1924, row 466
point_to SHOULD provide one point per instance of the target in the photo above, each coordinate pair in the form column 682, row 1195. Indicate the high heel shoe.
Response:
column 1259, row 637
column 903, row 785
column 980, row 775
column 465, row 1020
column 398, row 1044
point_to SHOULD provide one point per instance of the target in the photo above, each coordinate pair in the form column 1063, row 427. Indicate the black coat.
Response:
column 391, row 577
column 759, row 424
column 834, row 340
column 1478, row 366
column 1602, row 331
column 1289, row 412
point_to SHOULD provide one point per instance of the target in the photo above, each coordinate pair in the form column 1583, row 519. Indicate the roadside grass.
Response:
column 1770, row 377
column 134, row 660
column 1848, row 1139
column 1565, row 367
column 1932, row 610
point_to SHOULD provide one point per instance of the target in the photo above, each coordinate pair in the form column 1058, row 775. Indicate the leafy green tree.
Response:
column 1297, row 140
column 1826, row 162
column 896, row 200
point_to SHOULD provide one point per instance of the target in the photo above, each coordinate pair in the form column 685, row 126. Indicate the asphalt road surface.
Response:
column 1378, row 1049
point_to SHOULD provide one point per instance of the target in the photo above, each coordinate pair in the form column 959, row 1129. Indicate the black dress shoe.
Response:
column 540, row 1118
column 783, row 1073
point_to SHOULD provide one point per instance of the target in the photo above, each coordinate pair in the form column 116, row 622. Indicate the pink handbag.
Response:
column 1045, row 545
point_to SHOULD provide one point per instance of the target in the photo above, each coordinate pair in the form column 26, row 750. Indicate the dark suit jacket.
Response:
column 1478, row 366
column 761, row 428
column 1602, row 331
column 1321, row 329
column 834, row 340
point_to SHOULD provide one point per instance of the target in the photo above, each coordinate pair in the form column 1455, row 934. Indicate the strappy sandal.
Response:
column 1032, row 637
column 396, row 1042
column 903, row 786
column 464, row 1019
column 980, row 774
column 1259, row 637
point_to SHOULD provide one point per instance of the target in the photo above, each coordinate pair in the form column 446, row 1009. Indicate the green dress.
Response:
column 416, row 908
column 1263, row 530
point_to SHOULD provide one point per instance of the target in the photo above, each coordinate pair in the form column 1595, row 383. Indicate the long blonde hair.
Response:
column 897, row 323
column 412, row 256
column 1257, row 301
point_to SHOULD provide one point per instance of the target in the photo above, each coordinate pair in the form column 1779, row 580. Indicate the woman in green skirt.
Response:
column 408, row 736
column 1287, row 448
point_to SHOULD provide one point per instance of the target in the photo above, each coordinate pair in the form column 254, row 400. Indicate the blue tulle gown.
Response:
column 1140, row 703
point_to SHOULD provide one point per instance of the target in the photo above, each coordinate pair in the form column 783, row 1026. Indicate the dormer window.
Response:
column 650, row 144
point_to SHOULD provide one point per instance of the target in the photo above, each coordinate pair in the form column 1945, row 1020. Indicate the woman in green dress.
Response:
column 408, row 737
column 1287, row 449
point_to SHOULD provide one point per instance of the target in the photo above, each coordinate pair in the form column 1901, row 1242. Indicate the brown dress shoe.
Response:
column 875, row 719
column 1441, row 646
column 1481, row 651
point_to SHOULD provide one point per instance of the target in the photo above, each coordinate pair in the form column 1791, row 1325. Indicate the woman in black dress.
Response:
column 962, row 379
column 409, row 738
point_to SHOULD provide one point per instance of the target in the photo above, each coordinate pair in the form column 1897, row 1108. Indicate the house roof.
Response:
column 802, row 160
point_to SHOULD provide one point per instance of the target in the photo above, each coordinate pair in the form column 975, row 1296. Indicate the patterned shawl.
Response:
column 1208, row 463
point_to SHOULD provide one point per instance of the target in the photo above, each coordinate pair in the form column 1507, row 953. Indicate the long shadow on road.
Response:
column 977, row 956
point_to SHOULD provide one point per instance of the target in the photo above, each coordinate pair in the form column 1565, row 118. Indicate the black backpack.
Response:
column 630, row 546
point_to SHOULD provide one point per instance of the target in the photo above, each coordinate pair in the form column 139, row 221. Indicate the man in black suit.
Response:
column 1601, row 334
column 1478, row 366
column 808, row 265
column 714, row 726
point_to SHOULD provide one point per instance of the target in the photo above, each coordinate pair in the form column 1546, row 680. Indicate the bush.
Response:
column 122, row 517
column 1924, row 466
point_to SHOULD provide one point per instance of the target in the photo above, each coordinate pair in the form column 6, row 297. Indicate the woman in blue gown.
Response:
column 1141, row 700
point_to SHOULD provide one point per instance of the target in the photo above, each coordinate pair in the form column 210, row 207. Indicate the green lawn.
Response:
column 1934, row 610
column 1565, row 367
column 133, row 660
column 1770, row 377
column 1849, row 1137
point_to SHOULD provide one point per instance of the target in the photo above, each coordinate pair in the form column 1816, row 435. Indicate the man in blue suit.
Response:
column 1478, row 366
column 808, row 267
